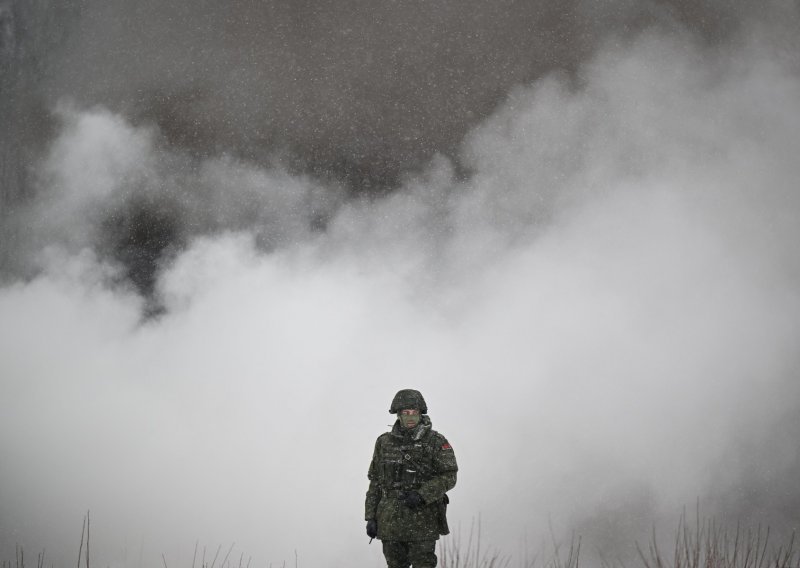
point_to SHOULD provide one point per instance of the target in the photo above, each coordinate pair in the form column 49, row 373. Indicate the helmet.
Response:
column 408, row 398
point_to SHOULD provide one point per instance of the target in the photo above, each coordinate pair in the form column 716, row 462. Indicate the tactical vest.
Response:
column 406, row 463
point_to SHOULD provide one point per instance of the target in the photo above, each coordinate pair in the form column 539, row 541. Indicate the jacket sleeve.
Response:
column 444, row 467
column 374, row 491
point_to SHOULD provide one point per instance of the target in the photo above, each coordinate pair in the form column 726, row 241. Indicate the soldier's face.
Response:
column 409, row 417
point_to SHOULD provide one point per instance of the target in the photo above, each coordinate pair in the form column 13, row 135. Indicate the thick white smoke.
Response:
column 603, row 318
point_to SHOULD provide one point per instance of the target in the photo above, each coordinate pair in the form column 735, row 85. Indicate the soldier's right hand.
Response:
column 412, row 499
column 372, row 528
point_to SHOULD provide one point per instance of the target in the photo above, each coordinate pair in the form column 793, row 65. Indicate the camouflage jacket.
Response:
column 418, row 460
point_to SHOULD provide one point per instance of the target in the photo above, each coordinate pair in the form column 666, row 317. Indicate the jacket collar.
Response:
column 415, row 434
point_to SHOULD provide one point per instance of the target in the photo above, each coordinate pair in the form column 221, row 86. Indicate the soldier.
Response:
column 412, row 468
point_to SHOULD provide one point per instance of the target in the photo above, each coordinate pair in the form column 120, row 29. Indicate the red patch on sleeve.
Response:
column 447, row 446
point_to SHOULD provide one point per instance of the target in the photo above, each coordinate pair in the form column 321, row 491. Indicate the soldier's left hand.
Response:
column 413, row 499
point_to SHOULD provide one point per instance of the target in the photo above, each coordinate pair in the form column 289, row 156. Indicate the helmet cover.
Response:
column 408, row 398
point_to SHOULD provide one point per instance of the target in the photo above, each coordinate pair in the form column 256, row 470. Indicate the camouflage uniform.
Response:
column 421, row 460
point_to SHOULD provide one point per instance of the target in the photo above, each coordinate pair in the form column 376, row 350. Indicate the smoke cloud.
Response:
column 603, row 314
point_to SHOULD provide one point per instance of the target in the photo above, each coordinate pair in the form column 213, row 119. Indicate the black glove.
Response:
column 372, row 528
column 412, row 499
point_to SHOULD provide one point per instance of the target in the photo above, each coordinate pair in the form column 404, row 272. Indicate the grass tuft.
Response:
column 703, row 544
column 708, row 545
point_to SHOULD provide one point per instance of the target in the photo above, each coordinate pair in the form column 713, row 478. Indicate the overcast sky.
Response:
column 588, row 262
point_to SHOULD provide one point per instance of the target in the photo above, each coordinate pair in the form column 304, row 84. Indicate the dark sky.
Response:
column 358, row 91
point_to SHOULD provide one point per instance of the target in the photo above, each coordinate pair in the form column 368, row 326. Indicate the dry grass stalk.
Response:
column 453, row 555
column 709, row 546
